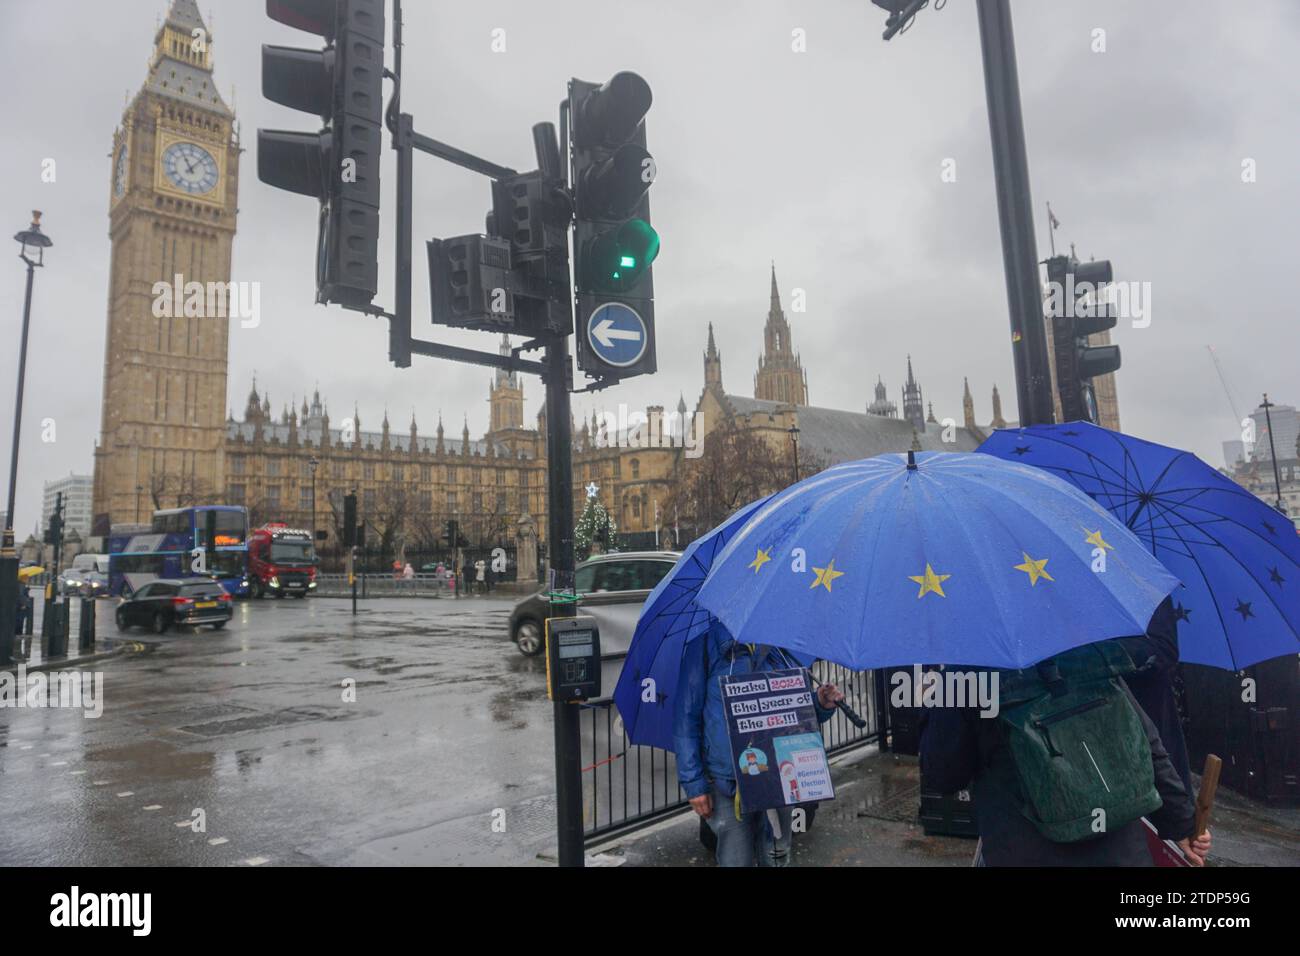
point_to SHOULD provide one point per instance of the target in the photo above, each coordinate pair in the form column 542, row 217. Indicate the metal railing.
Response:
column 625, row 785
column 385, row 585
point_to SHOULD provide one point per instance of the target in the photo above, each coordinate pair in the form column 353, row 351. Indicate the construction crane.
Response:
column 1214, row 357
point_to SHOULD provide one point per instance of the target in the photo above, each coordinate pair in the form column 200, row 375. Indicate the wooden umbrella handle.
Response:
column 1205, row 798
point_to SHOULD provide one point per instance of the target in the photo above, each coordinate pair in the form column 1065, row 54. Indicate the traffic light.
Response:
column 339, row 165
column 1078, row 310
column 452, row 537
column 350, row 520
column 614, row 244
column 515, row 278
column 54, row 530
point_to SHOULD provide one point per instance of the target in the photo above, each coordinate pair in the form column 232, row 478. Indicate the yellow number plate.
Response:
column 206, row 604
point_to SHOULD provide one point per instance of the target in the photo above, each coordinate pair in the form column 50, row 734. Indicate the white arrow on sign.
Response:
column 605, row 333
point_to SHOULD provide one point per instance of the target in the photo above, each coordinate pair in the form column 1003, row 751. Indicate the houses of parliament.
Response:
column 167, row 438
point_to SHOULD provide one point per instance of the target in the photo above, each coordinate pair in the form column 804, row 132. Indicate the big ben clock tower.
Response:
column 173, row 187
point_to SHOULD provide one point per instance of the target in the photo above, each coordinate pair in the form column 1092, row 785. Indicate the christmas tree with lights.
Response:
column 595, row 526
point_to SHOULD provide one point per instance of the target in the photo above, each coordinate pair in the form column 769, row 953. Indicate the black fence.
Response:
column 626, row 786
column 375, row 562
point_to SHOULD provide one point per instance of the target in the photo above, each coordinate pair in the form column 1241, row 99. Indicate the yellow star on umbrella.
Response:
column 1097, row 541
column 929, row 582
column 760, row 559
column 826, row 575
column 1035, row 569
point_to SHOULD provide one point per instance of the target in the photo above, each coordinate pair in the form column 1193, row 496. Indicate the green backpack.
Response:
column 1078, row 744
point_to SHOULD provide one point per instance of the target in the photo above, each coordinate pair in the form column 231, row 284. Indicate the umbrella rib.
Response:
column 1218, row 609
column 1223, row 624
column 1120, row 476
column 1228, row 551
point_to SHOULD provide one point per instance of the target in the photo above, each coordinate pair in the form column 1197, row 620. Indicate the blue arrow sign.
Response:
column 617, row 334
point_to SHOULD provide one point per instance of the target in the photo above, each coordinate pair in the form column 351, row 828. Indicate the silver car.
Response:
column 612, row 588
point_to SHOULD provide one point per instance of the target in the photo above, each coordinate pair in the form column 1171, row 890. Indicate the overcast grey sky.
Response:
column 827, row 161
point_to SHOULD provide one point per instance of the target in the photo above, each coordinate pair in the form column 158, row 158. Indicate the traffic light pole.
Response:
column 559, row 533
column 1015, row 214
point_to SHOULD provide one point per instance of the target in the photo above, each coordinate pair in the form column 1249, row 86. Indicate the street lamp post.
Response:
column 138, row 490
column 33, row 244
column 794, row 443
column 313, row 463
column 1277, row 478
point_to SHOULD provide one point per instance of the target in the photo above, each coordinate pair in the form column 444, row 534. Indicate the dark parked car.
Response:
column 613, row 588
column 165, row 603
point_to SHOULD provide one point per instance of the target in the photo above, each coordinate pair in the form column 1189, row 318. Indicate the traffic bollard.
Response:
column 86, row 629
column 56, row 641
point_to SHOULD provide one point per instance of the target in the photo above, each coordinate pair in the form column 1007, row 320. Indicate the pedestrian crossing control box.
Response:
column 572, row 658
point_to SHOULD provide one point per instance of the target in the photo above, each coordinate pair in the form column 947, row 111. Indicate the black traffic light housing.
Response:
column 350, row 519
column 1078, row 309
column 614, row 244
column 516, row 277
column 54, row 530
column 339, row 165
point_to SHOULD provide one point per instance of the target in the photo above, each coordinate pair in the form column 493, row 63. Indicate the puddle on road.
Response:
column 506, row 711
column 156, row 760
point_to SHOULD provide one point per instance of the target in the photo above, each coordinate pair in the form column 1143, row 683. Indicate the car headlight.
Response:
column 311, row 584
column 274, row 582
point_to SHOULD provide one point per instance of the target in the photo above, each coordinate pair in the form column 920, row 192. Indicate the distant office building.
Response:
column 1253, row 468
column 78, row 490
column 1286, row 431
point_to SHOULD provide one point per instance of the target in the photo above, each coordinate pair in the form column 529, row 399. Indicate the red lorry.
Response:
column 281, row 560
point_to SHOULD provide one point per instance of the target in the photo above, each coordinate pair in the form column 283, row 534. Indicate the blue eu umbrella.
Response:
column 937, row 557
column 669, row 620
column 1238, row 559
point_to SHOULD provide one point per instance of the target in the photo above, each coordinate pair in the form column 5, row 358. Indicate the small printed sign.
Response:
column 775, row 739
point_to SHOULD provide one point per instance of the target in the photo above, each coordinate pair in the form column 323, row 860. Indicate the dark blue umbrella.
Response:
column 1238, row 559
column 940, row 557
column 670, row 619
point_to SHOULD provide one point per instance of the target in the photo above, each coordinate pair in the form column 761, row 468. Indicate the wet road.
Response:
column 444, row 757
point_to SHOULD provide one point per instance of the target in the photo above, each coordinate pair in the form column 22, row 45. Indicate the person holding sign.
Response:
column 707, row 767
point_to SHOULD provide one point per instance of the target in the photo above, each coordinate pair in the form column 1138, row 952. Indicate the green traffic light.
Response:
column 618, row 258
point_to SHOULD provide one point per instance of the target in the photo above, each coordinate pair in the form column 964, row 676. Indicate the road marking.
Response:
column 59, row 763
column 26, row 747
column 154, row 806
column 217, row 841
column 75, row 773
column 101, row 783
column 184, row 823
column 257, row 860
column 127, row 793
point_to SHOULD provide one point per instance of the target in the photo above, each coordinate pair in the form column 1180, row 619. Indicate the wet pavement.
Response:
column 444, row 755
column 872, row 822
column 414, row 733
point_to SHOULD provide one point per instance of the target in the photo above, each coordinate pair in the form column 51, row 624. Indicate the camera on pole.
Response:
column 339, row 165
column 1078, row 308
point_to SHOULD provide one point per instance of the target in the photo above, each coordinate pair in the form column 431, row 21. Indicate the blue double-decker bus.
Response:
column 203, row 541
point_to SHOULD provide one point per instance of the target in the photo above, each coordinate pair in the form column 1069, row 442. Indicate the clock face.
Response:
column 190, row 167
column 119, row 172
